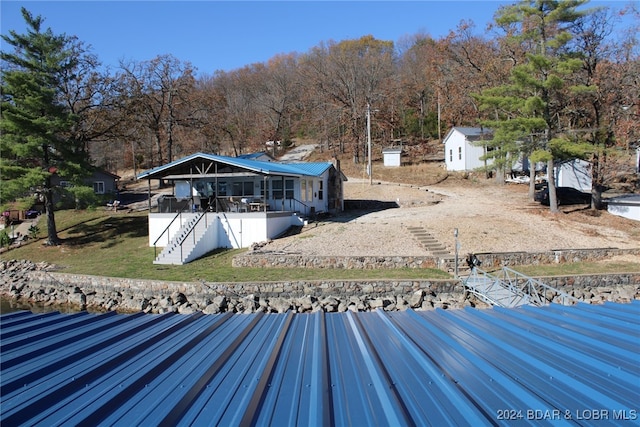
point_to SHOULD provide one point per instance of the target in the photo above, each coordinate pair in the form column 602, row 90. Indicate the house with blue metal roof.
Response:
column 235, row 202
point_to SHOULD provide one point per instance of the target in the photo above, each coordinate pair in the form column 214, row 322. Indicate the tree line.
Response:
column 553, row 79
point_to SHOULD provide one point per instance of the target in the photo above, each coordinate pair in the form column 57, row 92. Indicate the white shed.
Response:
column 392, row 156
column 461, row 150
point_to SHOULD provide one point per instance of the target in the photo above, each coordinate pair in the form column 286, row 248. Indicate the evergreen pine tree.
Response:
column 528, row 111
column 36, row 128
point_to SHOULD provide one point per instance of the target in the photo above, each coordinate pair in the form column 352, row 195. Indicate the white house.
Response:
column 233, row 202
column 574, row 173
column 461, row 151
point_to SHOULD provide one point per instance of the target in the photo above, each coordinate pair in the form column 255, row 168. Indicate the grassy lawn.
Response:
column 106, row 243
column 577, row 268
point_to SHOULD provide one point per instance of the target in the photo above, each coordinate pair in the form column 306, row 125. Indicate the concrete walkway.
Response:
column 22, row 229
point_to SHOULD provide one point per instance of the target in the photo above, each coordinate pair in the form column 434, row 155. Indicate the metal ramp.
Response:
column 511, row 289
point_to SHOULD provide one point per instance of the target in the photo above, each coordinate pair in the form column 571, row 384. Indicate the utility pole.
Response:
column 439, row 132
column 369, row 171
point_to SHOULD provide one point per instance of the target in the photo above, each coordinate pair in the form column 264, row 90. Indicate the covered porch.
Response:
column 220, row 201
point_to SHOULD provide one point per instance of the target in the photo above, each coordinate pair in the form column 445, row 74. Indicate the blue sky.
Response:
column 226, row 35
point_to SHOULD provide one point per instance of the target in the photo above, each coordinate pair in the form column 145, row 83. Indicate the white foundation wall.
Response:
column 232, row 230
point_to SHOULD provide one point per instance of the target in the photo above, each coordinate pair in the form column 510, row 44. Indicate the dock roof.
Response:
column 440, row 367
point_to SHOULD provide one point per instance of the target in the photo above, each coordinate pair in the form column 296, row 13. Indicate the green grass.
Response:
column 106, row 243
column 577, row 268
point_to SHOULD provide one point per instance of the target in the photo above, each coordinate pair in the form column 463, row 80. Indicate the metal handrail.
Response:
column 166, row 230
column 533, row 290
column 531, row 284
column 307, row 207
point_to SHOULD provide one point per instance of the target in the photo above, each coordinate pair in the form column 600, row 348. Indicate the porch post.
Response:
column 193, row 202
column 264, row 193
column 215, row 190
column 149, row 193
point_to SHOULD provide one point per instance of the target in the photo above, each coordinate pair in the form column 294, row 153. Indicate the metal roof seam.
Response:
column 390, row 400
column 251, row 412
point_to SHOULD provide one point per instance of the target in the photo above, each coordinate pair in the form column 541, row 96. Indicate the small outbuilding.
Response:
column 464, row 150
column 392, row 156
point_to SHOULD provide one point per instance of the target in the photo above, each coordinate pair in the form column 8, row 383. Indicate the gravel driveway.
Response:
column 489, row 218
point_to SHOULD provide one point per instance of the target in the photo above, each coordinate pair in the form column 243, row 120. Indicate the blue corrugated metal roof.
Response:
column 253, row 155
column 442, row 367
column 267, row 168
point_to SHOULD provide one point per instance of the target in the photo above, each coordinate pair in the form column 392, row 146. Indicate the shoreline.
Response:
column 32, row 283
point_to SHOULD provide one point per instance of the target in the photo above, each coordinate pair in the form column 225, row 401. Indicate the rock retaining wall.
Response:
column 32, row 283
column 282, row 260
column 263, row 259
column 506, row 259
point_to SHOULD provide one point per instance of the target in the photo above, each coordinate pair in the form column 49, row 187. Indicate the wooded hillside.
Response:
column 151, row 111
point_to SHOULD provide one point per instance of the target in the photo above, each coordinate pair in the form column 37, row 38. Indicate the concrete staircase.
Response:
column 177, row 252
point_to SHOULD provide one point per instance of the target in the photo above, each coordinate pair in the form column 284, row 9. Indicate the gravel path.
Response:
column 489, row 218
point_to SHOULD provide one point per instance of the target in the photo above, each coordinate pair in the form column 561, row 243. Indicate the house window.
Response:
column 276, row 189
column 98, row 187
column 222, row 188
column 243, row 188
column 459, row 153
column 320, row 190
column 288, row 188
column 303, row 190
column 450, row 155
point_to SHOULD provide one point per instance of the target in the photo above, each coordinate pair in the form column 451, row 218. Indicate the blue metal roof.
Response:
column 442, row 367
column 257, row 166
column 253, row 155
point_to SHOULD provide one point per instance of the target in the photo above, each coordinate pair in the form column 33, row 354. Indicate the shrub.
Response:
column 78, row 197
column 33, row 231
column 4, row 238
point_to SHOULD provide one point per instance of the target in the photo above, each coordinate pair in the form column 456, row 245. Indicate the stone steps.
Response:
column 427, row 241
